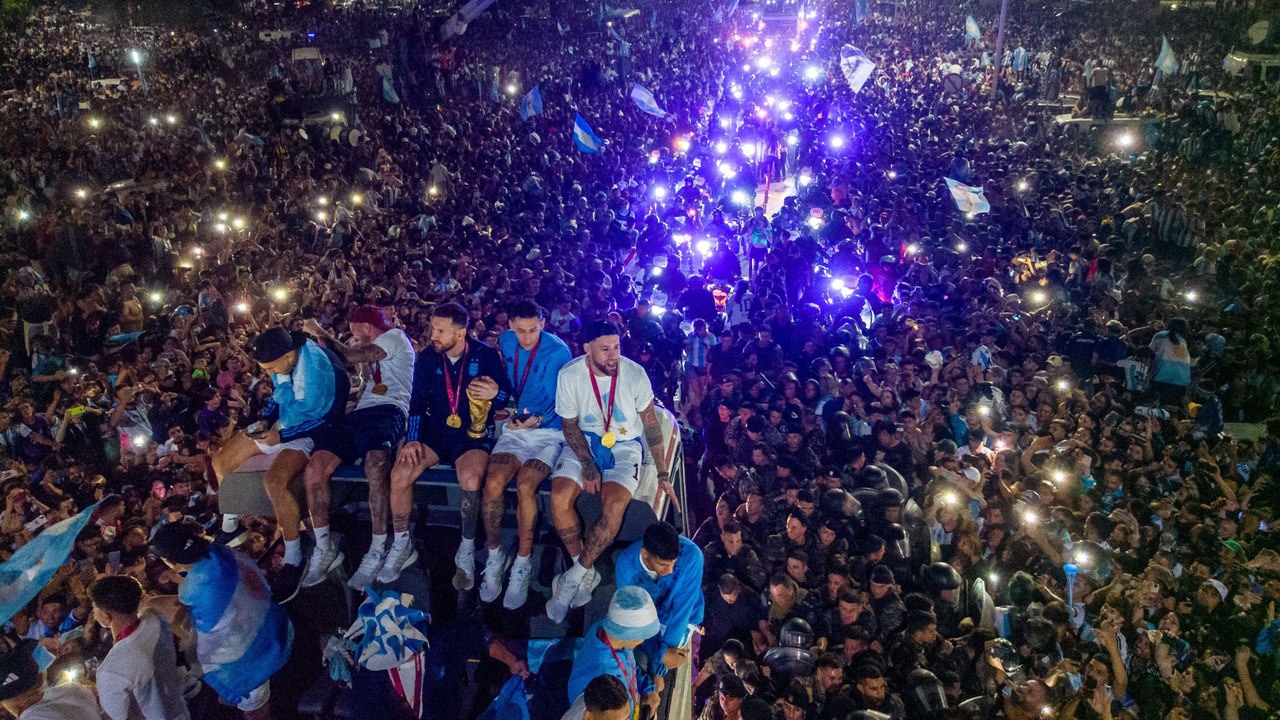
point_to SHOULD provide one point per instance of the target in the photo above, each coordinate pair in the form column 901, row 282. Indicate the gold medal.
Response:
column 608, row 440
column 453, row 421
column 380, row 389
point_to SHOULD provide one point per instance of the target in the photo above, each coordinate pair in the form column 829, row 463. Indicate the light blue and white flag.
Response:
column 24, row 575
column 1166, row 61
column 968, row 199
column 972, row 31
column 531, row 104
column 861, row 10
column 93, row 61
column 856, row 67
column 389, row 91
column 584, row 138
column 242, row 637
column 645, row 101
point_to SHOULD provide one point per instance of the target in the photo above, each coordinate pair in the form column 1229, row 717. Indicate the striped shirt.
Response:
column 698, row 349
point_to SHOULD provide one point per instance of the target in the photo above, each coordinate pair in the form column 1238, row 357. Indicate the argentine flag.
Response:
column 1166, row 61
column 968, row 199
column 242, row 638
column 531, row 104
column 861, row 9
column 583, row 137
column 856, row 66
column 972, row 31
column 645, row 101
column 24, row 575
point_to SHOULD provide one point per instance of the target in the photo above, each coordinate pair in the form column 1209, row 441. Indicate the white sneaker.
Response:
column 400, row 557
column 518, row 585
column 567, row 591
column 494, row 569
column 465, row 578
column 368, row 570
column 587, row 588
column 320, row 564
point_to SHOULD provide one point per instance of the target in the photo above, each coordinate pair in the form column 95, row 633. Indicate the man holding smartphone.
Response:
column 310, row 395
column 527, row 450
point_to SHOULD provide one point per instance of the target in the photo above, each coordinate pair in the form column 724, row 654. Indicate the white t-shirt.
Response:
column 575, row 398
column 140, row 678
column 68, row 701
column 396, row 370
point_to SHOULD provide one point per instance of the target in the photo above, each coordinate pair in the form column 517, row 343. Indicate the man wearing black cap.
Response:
column 727, row 703
column 457, row 384
column 605, row 402
column 24, row 696
column 310, row 396
column 371, row 433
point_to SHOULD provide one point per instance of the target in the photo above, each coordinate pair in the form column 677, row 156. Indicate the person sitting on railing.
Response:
column 605, row 402
column 443, row 428
column 527, row 450
column 669, row 567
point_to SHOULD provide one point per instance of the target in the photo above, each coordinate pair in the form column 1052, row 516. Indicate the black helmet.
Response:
column 796, row 633
column 872, row 477
column 1003, row 652
column 940, row 576
column 924, row 695
column 867, row 715
column 889, row 497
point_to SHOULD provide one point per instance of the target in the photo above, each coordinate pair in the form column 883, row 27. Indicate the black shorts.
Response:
column 379, row 427
column 451, row 444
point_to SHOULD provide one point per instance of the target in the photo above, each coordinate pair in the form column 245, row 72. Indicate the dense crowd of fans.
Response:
column 937, row 463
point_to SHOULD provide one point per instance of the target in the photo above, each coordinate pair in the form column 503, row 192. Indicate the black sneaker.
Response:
column 285, row 587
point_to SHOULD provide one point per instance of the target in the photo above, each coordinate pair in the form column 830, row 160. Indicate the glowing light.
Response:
column 1023, row 185
column 320, row 216
column 725, row 123
column 1059, row 477
column 994, row 577
column 356, row 198
column 892, row 174
column 722, row 147
column 814, row 223
column 837, row 284
column 223, row 215
column 837, row 141
column 155, row 297
column 962, row 247
column 746, row 67
column 1125, row 140
column 242, row 307
column 984, row 411
column 761, row 113
column 763, row 62
column 768, row 42
column 727, row 171
column 279, row 294
column 1030, row 517
column 913, row 248
column 682, row 144
column 969, row 216
column 813, row 72
column 1039, row 297
column 197, row 251
column 795, row 46
column 655, row 272
column 220, row 164
column 82, row 193
column 1063, row 385
column 512, row 89
column 70, row 676
column 951, row 498
column 703, row 247
column 736, row 92
column 171, row 119
column 239, row 223
column 322, row 201
column 805, row 180
column 793, row 139
column 1083, row 558
column 1191, row 295
column 95, row 123
column 335, row 116
column 433, row 191
column 220, row 228
column 136, row 57
column 24, row 214
column 660, row 192
column 740, row 197
column 153, row 120
column 138, row 441
column 787, row 116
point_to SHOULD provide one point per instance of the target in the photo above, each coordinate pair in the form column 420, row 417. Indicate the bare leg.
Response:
column 471, row 466
column 502, row 467
column 614, row 498
column 403, row 475
column 319, row 469
column 377, row 468
column 239, row 448
column 288, row 465
column 527, row 481
column 564, row 516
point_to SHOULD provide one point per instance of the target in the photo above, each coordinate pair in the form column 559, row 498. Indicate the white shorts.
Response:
column 628, row 456
column 541, row 444
column 302, row 445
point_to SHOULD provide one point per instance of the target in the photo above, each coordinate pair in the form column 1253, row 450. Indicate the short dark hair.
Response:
column 117, row 594
column 867, row 671
column 830, row 661
column 605, row 693
column 598, row 329
column 58, row 598
column 729, row 584
column 454, row 313
column 733, row 527
column 526, row 309
column 733, row 647
column 662, row 540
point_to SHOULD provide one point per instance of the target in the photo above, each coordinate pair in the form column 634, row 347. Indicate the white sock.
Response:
column 468, row 545
column 379, row 543
column 230, row 523
column 323, row 542
column 293, row 551
column 523, row 560
column 402, row 538
column 576, row 570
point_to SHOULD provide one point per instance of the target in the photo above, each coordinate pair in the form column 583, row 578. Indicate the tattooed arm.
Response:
column 653, row 436
column 577, row 442
column 351, row 354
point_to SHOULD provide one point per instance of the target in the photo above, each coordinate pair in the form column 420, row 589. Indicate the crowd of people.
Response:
column 936, row 462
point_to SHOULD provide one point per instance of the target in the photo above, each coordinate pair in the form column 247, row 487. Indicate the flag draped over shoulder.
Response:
column 968, row 199
column 531, row 104
column 24, row 575
column 242, row 637
column 645, row 101
column 972, row 31
column 584, row 138
column 856, row 66
column 1166, row 61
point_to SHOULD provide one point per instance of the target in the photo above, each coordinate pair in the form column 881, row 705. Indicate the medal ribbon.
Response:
column 633, row 693
column 515, row 370
column 454, row 393
column 377, row 372
column 613, row 395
